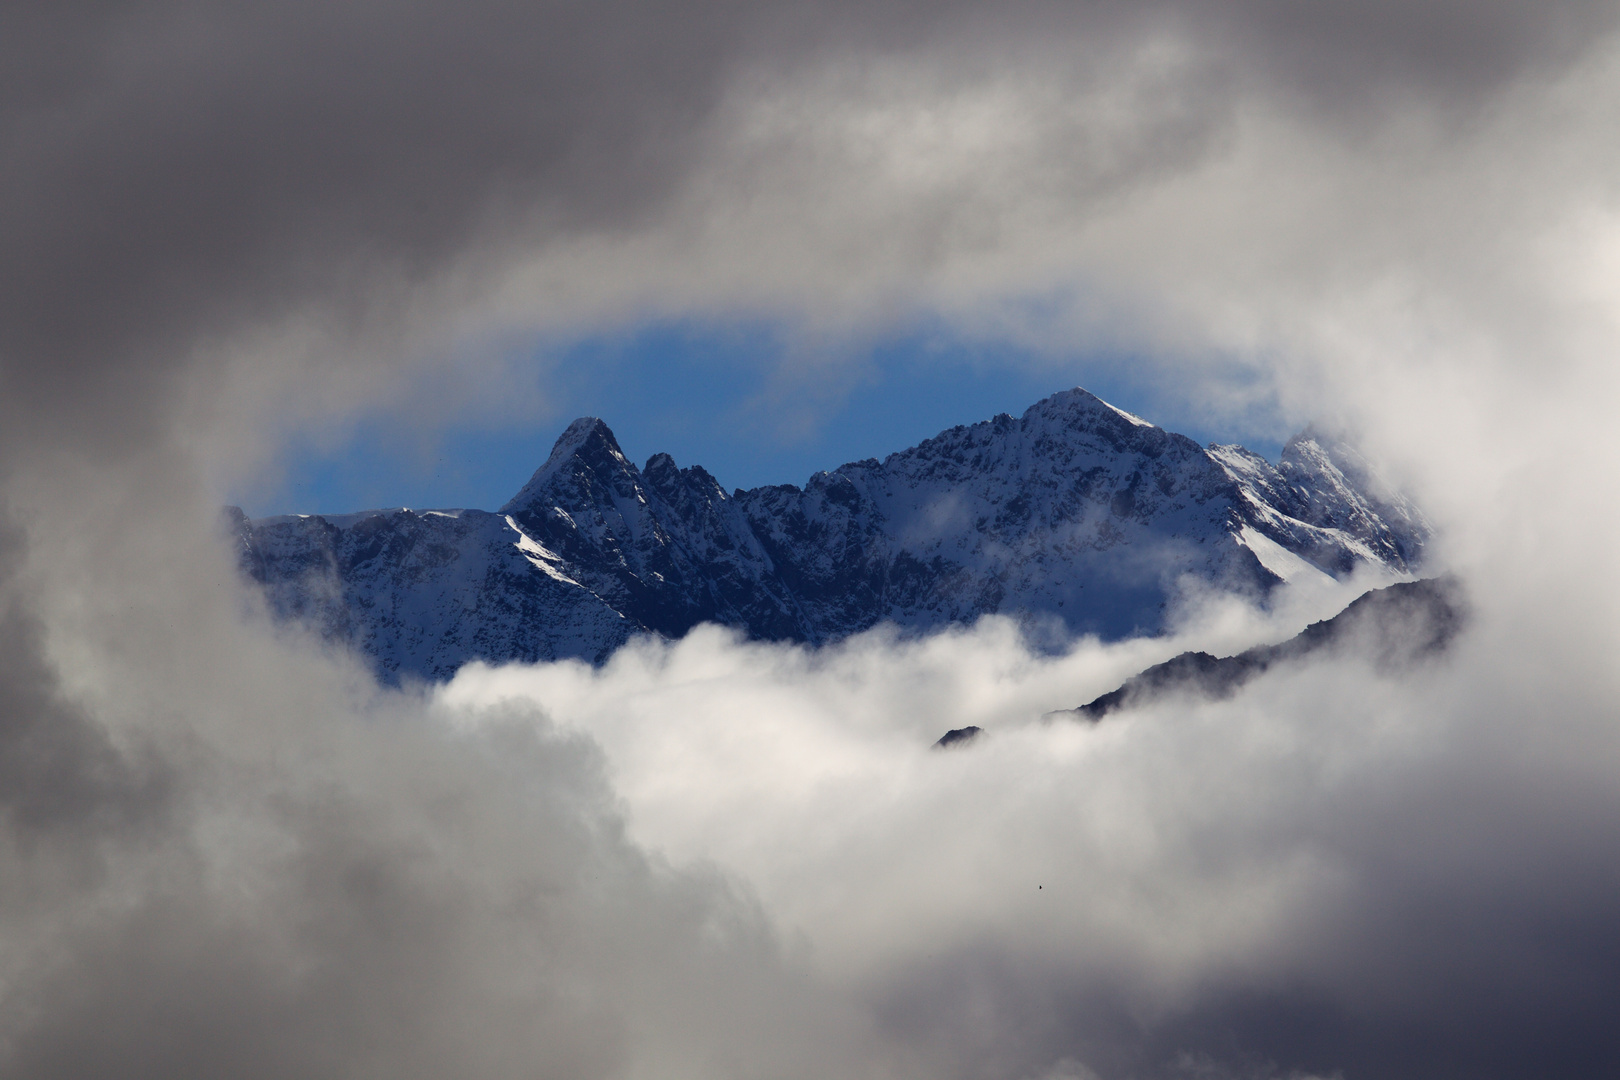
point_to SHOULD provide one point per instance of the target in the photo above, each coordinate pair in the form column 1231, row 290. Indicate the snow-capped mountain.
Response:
column 1076, row 517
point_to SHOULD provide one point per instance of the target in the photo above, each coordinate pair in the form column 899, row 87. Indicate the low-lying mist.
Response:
column 1298, row 878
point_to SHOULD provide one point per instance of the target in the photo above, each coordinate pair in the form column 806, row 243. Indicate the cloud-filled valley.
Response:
column 225, row 849
column 1296, row 878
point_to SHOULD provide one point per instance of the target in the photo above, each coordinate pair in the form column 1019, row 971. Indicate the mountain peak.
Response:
column 587, row 444
column 1080, row 400
column 588, row 436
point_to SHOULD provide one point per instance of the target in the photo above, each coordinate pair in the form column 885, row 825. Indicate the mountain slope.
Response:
column 1395, row 627
column 1076, row 517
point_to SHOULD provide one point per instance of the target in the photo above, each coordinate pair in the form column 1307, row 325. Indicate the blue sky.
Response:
column 742, row 400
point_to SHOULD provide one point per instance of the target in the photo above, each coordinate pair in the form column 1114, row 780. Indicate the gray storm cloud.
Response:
column 182, row 178
column 223, row 852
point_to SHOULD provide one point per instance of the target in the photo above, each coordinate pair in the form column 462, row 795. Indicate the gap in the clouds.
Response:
column 751, row 402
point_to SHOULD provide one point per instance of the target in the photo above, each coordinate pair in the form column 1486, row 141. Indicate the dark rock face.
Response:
column 958, row 737
column 1075, row 518
column 1395, row 627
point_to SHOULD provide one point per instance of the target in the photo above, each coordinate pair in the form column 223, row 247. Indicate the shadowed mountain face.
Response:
column 1395, row 627
column 1076, row 518
column 961, row 736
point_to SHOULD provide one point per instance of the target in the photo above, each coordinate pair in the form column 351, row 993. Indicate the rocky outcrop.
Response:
column 1394, row 627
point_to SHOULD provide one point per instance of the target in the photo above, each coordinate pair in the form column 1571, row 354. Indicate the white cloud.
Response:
column 1183, row 863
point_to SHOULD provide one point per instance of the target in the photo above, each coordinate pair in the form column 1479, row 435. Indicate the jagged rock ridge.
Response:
column 1394, row 627
column 1076, row 517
